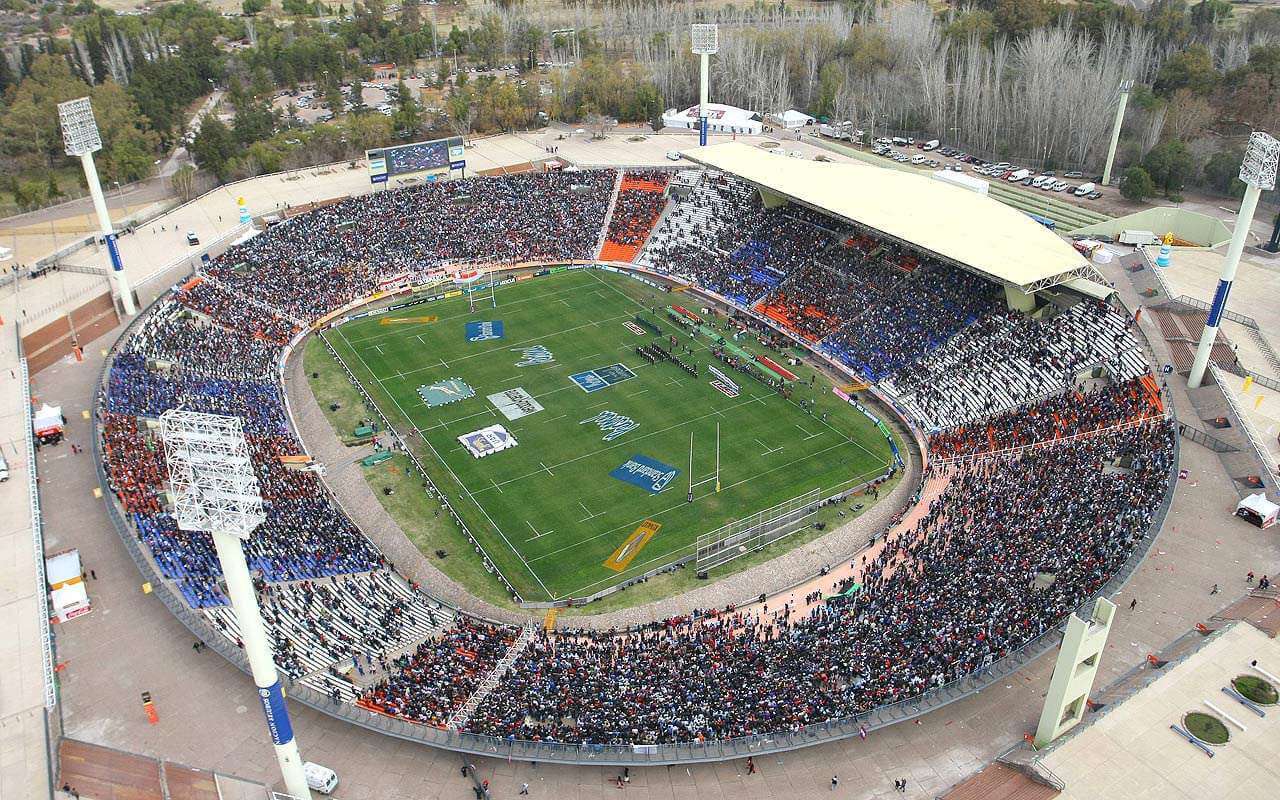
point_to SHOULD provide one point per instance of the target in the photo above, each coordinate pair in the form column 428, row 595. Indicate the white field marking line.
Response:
column 496, row 486
column 589, row 515
column 439, row 458
column 810, row 436
column 537, row 535
column 553, row 419
column 802, row 430
column 683, row 503
column 637, row 394
column 465, row 315
column 476, row 503
column 566, row 302
column 628, row 442
column 598, row 405
column 544, row 466
column 378, row 347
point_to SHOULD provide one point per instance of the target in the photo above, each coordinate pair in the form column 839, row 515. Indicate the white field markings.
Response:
column 766, row 450
column 496, row 486
column 465, row 315
column 538, row 535
column 627, row 442
column 452, row 474
column 684, row 503
column 589, row 515
column 545, row 467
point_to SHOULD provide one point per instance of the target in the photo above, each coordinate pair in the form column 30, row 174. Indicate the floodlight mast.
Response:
column 80, row 138
column 706, row 40
column 1258, row 172
column 216, row 490
column 1126, row 86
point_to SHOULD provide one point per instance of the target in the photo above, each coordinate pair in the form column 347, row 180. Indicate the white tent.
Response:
column 792, row 119
column 47, row 420
column 1257, row 509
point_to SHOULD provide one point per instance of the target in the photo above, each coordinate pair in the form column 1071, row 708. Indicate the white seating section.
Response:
column 1005, row 360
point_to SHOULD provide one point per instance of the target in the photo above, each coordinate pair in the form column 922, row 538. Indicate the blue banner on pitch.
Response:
column 650, row 475
column 484, row 331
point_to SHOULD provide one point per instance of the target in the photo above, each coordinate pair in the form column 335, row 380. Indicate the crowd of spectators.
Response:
column 1011, row 546
column 1071, row 413
column 641, row 200
column 1014, row 542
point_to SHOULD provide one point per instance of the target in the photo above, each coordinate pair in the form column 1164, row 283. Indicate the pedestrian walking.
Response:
column 903, row 787
column 835, row 781
column 524, row 788
column 1133, row 604
column 751, row 766
column 1249, row 577
column 1214, row 590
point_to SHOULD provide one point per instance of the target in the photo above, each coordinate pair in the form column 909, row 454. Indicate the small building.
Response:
column 386, row 72
column 720, row 119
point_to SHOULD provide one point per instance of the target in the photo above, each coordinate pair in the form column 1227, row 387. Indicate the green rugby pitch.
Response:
column 547, row 510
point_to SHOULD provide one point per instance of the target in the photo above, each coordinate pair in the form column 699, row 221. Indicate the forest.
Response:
column 1030, row 81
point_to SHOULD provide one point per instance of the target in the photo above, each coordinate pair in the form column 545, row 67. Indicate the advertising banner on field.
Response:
column 487, row 441
column 629, row 549
column 515, row 403
column 649, row 474
column 484, row 331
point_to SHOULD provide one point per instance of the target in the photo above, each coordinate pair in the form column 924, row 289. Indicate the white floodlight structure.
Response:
column 215, row 490
column 1126, row 86
column 1258, row 171
column 706, row 40
column 80, row 138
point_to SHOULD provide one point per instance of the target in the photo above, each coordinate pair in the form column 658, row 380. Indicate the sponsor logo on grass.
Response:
column 725, row 379
column 634, row 328
column 408, row 320
column 650, row 475
column 631, row 547
column 611, row 424
column 593, row 380
column 515, row 403
column 531, row 356
column 728, row 391
column 442, row 393
column 487, row 441
column 484, row 331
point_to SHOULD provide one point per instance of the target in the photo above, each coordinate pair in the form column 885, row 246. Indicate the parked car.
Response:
column 1093, row 195
column 1059, row 186
column 673, row 155
column 1073, row 174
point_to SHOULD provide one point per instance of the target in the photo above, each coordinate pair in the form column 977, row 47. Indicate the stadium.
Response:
column 431, row 298
column 635, row 466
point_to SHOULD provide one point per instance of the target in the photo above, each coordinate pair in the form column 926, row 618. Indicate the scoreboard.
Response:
column 420, row 159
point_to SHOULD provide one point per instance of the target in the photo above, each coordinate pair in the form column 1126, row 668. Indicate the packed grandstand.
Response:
column 1046, row 434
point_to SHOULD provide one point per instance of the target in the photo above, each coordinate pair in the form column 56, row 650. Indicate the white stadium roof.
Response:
column 969, row 229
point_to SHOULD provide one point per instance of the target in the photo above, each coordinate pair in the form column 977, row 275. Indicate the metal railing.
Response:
column 1207, row 439
column 632, row 754
column 1255, row 439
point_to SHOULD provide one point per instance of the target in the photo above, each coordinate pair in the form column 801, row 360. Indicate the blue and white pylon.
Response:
column 1166, row 255
column 244, row 210
column 1258, row 172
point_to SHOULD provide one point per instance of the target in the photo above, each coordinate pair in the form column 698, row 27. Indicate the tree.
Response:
column 253, row 7
column 1170, row 164
column 1222, row 172
column 214, row 147
column 355, row 96
column 1192, row 69
column 1136, row 185
column 408, row 117
column 1016, row 17
column 183, row 182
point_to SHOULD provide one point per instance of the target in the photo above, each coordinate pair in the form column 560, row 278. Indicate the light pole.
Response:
column 1126, row 86
column 80, row 138
column 706, row 40
column 215, row 489
column 1258, row 171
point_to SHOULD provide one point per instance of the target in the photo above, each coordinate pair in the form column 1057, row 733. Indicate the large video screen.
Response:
column 418, row 157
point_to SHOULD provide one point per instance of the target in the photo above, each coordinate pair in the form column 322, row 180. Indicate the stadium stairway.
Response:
column 490, row 681
column 622, row 251
column 608, row 217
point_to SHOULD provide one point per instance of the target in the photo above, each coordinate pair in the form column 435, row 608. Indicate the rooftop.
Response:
column 971, row 230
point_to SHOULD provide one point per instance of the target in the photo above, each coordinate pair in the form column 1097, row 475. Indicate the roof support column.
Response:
column 1019, row 300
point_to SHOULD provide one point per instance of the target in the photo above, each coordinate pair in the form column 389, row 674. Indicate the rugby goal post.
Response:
column 750, row 533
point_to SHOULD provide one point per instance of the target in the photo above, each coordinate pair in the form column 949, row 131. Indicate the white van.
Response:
column 917, row 159
column 319, row 778
column 932, row 144
column 4, row 469
column 1085, row 188
column 1019, row 175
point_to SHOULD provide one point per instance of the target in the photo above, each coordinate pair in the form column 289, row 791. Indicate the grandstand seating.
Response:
column 941, row 599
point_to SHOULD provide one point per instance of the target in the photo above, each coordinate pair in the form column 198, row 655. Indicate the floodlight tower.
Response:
column 706, row 40
column 1126, row 86
column 80, row 138
column 215, row 490
column 1258, row 171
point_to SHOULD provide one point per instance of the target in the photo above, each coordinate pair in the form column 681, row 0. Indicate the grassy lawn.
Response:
column 1206, row 728
column 547, row 510
column 1256, row 689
